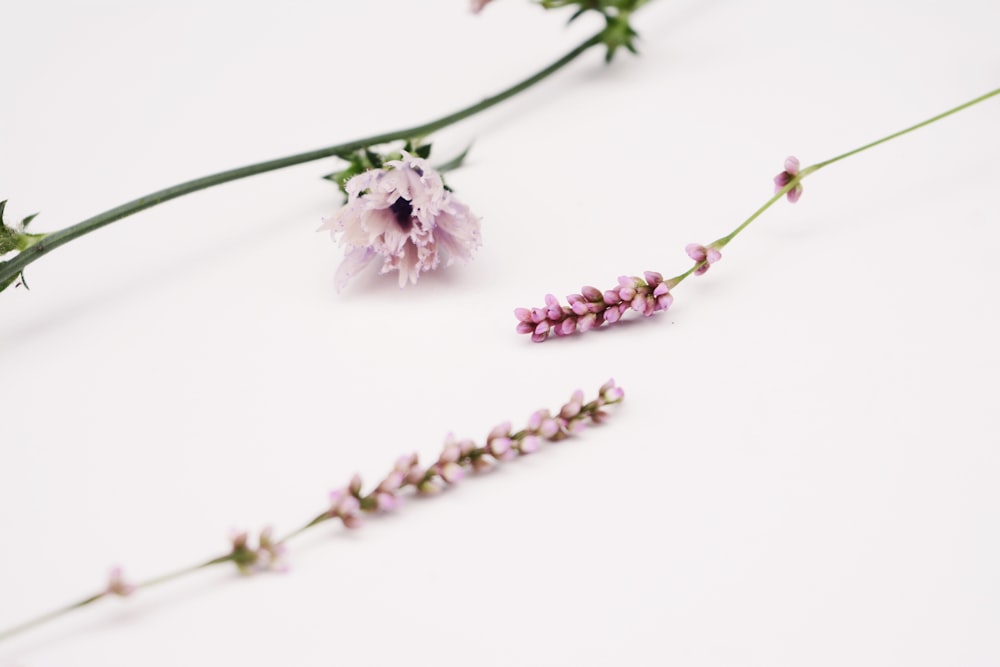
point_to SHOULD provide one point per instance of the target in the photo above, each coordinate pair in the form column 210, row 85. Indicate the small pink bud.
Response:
column 386, row 502
column 451, row 453
column 392, row 481
column 501, row 430
column 522, row 314
column 498, row 447
column 404, row 463
column 592, row 294
column 481, row 465
column 452, row 472
column 529, row 444
column 549, row 428
column 614, row 394
column 566, row 327
column 354, row 488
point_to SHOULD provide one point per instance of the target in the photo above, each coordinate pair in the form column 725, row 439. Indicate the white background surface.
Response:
column 804, row 471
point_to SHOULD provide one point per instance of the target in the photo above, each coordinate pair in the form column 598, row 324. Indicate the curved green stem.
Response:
column 10, row 269
column 807, row 171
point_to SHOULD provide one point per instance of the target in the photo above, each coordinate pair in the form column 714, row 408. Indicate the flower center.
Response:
column 403, row 211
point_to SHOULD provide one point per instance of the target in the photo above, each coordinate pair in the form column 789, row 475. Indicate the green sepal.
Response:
column 455, row 162
column 423, row 151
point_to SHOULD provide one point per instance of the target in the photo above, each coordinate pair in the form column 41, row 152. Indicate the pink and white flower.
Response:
column 403, row 214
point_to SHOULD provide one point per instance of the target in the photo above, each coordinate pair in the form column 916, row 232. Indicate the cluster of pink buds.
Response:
column 704, row 256
column 592, row 307
column 266, row 556
column 459, row 456
column 792, row 169
column 117, row 585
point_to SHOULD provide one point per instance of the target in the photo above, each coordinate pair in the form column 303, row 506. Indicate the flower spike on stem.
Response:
column 592, row 308
column 348, row 503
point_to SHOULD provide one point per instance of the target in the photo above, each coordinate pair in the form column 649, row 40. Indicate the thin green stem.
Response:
column 50, row 616
column 319, row 518
column 808, row 171
column 56, row 613
column 892, row 136
column 10, row 269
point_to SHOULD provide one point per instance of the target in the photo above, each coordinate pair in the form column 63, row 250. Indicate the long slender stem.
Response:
column 13, row 267
column 148, row 583
column 812, row 169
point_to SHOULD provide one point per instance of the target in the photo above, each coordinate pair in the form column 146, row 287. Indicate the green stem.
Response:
column 13, row 267
column 50, row 616
column 807, row 171
column 56, row 613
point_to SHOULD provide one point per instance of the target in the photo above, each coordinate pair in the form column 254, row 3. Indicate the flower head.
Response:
column 403, row 214
column 785, row 177
column 703, row 255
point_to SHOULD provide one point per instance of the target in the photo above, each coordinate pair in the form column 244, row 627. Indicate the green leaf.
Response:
column 423, row 151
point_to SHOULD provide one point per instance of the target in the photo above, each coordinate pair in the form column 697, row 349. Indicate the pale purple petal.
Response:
column 355, row 259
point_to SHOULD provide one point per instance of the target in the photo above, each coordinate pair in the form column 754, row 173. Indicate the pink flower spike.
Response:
column 592, row 308
column 792, row 168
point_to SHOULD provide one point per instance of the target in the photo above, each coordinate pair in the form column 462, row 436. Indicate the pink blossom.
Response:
column 705, row 256
column 270, row 553
column 403, row 214
column 785, row 177
column 117, row 585
column 591, row 307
